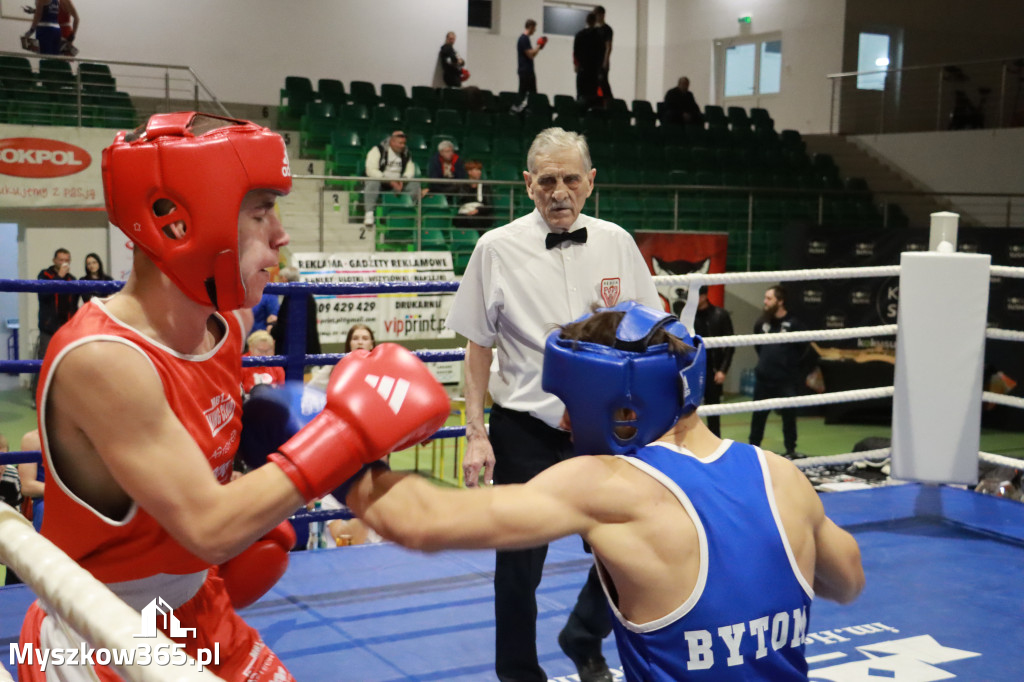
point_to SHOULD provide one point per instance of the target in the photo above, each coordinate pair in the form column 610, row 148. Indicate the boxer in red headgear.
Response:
column 140, row 400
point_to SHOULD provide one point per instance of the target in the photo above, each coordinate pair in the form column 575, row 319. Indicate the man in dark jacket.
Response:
column 778, row 371
column 714, row 321
column 588, row 58
column 451, row 62
column 54, row 308
column 680, row 106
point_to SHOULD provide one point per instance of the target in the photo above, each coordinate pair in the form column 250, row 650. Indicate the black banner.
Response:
column 839, row 304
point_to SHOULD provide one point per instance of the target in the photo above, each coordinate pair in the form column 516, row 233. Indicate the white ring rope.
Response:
column 1004, row 335
column 83, row 601
column 779, row 275
column 1001, row 460
column 797, row 337
column 796, row 401
column 1000, row 399
column 1006, row 271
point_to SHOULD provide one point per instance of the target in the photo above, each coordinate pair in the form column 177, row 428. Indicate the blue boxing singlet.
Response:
column 747, row 616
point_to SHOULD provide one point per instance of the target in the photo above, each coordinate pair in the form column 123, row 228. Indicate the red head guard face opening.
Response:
column 199, row 168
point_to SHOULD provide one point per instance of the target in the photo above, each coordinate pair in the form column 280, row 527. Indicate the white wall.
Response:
column 812, row 41
column 492, row 54
column 962, row 160
column 35, row 252
column 243, row 49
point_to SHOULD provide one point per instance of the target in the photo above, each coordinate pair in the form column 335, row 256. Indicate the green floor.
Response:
column 437, row 459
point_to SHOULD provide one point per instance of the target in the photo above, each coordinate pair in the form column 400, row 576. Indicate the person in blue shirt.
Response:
column 265, row 312
column 710, row 551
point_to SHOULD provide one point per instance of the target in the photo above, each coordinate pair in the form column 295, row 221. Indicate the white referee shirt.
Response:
column 516, row 291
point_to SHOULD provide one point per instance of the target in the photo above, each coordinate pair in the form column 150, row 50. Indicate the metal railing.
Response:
column 56, row 90
column 755, row 218
column 957, row 96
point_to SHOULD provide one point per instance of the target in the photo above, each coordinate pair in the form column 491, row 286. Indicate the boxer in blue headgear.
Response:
column 623, row 396
column 706, row 547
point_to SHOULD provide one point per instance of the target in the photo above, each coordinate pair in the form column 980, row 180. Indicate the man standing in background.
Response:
column 605, row 31
column 451, row 62
column 778, row 370
column 54, row 308
column 525, row 54
column 522, row 278
column 714, row 321
column 588, row 59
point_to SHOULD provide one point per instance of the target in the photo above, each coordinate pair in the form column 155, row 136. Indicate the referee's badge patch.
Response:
column 610, row 288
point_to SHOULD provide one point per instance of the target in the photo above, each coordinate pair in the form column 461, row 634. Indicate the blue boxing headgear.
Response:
column 594, row 381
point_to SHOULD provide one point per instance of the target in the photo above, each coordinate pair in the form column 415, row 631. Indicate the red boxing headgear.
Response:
column 200, row 167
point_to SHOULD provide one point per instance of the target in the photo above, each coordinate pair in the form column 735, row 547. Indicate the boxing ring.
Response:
column 941, row 600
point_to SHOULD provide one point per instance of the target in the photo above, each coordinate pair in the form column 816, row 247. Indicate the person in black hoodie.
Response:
column 778, row 369
column 54, row 308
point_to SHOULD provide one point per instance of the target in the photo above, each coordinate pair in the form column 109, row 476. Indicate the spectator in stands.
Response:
column 451, row 62
column 445, row 163
column 54, row 308
column 46, row 25
column 606, row 32
column 476, row 205
column 260, row 343
column 525, row 54
column 94, row 271
column 279, row 331
column 264, row 313
column 714, row 321
column 680, row 106
column 588, row 60
column 33, row 480
column 389, row 163
column 779, row 368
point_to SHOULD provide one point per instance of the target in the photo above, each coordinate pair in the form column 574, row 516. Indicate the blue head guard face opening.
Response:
column 596, row 382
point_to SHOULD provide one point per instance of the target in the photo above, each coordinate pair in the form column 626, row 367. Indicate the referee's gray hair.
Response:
column 555, row 139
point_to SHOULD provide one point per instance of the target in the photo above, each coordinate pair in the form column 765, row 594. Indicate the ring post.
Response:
column 940, row 352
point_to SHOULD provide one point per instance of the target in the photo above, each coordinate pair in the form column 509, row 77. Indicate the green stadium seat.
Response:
column 333, row 91
column 453, row 98
column 643, row 111
column 56, row 74
column 393, row 94
column 448, row 121
column 426, row 97
column 363, row 92
column 296, row 94
column 479, row 122
column 419, row 120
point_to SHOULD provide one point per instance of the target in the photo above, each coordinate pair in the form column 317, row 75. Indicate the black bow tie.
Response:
column 555, row 238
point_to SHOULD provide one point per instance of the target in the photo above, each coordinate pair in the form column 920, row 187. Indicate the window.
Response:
column 481, row 13
column 872, row 55
column 751, row 68
column 771, row 67
column 739, row 70
column 565, row 20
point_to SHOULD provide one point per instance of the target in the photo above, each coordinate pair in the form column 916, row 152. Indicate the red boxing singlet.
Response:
column 204, row 391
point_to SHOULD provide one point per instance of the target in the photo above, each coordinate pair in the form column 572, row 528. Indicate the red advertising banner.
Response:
column 681, row 253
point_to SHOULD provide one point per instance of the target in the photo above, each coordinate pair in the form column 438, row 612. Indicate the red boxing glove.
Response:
column 377, row 402
column 252, row 573
column 542, row 41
